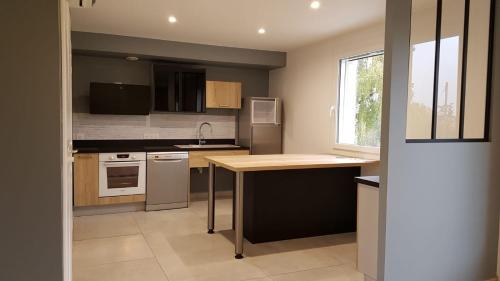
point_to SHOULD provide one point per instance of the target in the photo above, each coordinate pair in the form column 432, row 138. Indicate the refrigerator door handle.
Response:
column 251, row 140
column 278, row 111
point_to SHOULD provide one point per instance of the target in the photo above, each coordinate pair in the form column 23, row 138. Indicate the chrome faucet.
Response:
column 201, row 137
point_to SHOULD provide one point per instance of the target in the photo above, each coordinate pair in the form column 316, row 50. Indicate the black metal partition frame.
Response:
column 463, row 93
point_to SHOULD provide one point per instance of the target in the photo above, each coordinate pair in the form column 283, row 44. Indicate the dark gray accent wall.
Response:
column 439, row 202
column 255, row 81
column 92, row 68
column 30, row 143
column 170, row 50
column 86, row 69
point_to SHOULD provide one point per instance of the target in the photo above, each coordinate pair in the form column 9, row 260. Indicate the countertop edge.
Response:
column 215, row 160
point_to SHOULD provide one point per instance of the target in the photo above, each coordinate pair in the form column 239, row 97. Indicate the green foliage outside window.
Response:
column 370, row 74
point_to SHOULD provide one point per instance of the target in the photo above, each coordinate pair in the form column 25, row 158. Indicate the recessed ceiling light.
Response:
column 261, row 31
column 172, row 19
column 315, row 5
column 132, row 58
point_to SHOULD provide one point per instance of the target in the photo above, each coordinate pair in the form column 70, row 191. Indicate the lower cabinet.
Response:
column 86, row 177
column 367, row 231
column 86, row 184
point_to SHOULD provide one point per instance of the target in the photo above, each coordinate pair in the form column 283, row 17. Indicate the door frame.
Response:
column 66, row 138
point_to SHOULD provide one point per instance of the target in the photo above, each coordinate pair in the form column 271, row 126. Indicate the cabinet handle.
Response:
column 224, row 105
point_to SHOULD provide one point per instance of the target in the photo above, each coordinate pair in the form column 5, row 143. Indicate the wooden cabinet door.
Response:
column 86, row 179
column 211, row 95
column 228, row 94
column 223, row 94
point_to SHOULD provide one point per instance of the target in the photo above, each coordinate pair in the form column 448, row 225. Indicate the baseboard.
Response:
column 140, row 206
column 203, row 196
column 108, row 209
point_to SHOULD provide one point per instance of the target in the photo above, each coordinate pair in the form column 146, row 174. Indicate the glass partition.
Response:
column 450, row 69
column 449, row 81
column 422, row 61
column 476, row 75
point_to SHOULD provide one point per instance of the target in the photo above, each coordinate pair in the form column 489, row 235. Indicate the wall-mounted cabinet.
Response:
column 178, row 88
column 222, row 94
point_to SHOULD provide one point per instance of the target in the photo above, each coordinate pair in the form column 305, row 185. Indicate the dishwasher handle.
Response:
column 167, row 156
column 168, row 160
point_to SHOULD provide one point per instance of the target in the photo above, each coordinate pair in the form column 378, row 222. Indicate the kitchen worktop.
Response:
column 247, row 163
column 147, row 145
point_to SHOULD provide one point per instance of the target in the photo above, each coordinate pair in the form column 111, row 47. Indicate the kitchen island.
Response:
column 286, row 196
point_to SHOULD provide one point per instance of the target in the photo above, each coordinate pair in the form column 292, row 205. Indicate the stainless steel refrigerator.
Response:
column 260, row 125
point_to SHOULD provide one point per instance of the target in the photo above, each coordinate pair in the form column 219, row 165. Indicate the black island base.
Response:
column 288, row 204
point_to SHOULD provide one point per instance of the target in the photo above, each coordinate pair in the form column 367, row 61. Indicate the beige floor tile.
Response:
column 90, row 227
column 170, row 222
column 335, row 273
column 108, row 250
column 137, row 270
column 223, row 222
column 200, row 257
column 285, row 262
column 346, row 253
column 235, row 270
column 185, row 252
column 194, row 249
column 222, row 207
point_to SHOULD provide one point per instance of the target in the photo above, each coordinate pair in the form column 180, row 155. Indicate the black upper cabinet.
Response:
column 179, row 88
column 123, row 99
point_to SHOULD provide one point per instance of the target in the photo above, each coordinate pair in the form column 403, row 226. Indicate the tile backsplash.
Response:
column 155, row 126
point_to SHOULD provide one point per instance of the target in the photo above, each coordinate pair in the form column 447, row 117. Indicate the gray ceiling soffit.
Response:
column 116, row 45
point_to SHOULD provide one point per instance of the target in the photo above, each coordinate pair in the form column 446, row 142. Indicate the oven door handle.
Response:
column 122, row 163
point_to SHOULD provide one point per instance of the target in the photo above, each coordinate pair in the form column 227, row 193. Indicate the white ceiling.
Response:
column 289, row 23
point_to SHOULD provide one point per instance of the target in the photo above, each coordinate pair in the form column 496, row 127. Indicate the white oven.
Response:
column 122, row 173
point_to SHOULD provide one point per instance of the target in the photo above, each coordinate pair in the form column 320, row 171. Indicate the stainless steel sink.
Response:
column 207, row 146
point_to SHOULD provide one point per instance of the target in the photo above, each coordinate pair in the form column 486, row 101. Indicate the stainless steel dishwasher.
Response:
column 167, row 184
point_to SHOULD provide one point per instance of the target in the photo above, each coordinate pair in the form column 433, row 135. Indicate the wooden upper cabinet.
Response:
column 222, row 94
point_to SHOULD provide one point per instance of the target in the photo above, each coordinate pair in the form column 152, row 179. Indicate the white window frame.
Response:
column 336, row 144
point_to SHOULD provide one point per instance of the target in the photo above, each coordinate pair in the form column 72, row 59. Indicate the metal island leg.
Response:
column 238, row 246
column 211, row 197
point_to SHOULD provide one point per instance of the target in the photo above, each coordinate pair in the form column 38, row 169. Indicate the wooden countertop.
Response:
column 248, row 163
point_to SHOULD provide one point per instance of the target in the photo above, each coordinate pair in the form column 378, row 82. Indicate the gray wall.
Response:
column 86, row 69
column 30, row 116
column 439, row 202
column 154, row 48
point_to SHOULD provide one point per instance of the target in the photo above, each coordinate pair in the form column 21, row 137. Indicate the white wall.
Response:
column 308, row 87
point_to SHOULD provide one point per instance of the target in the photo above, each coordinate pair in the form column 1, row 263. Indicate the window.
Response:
column 360, row 103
